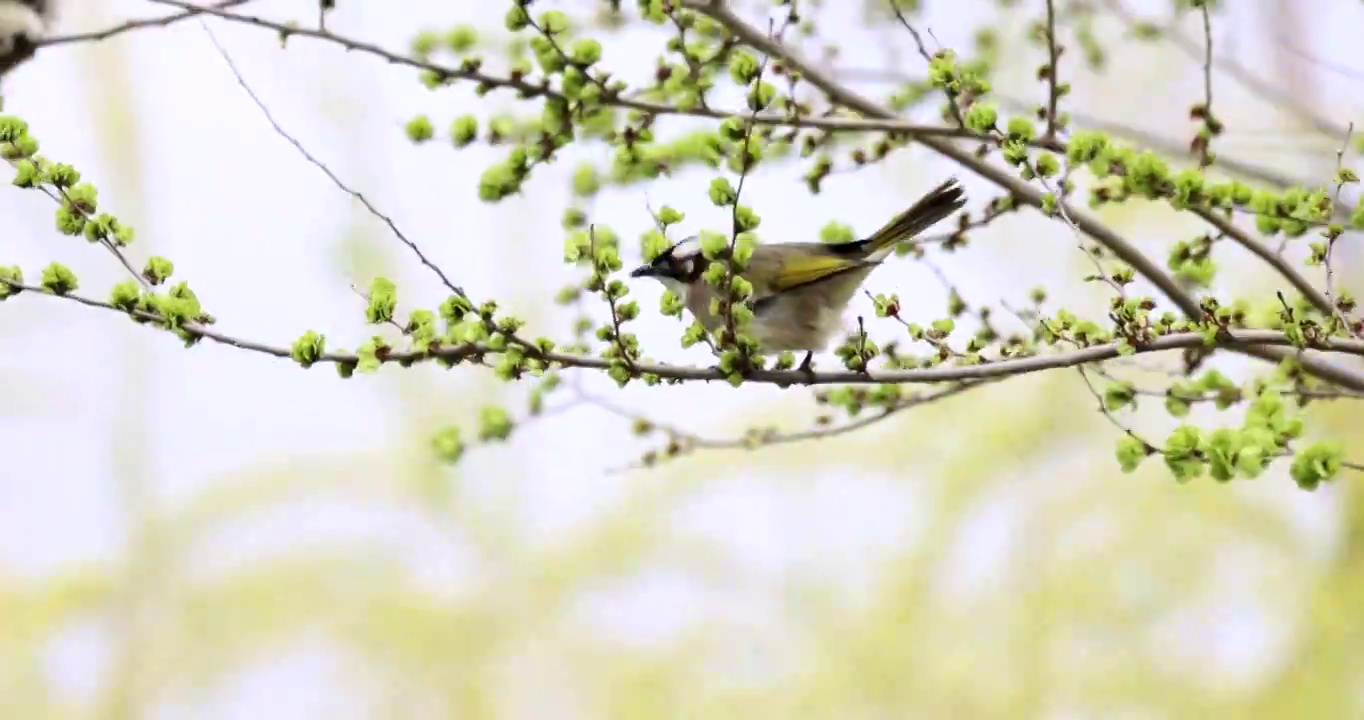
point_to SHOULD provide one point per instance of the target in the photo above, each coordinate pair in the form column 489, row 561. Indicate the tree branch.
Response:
column 888, row 124
column 1053, row 58
column 131, row 25
column 1240, row 340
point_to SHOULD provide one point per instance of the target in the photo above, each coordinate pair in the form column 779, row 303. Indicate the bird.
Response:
column 23, row 24
column 800, row 289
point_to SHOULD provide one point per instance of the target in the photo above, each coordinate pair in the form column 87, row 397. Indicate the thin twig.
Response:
column 1210, row 124
column 1265, row 253
column 746, row 163
column 617, row 323
column 269, row 117
column 1340, row 69
column 923, row 53
column 1053, row 58
column 685, row 442
column 1162, row 145
column 1332, row 236
column 131, row 25
column 1108, row 414
column 1276, row 96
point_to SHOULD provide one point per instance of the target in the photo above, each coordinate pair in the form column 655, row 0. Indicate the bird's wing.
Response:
column 797, row 271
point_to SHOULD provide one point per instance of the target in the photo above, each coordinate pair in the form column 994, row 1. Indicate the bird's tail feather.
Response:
column 939, row 203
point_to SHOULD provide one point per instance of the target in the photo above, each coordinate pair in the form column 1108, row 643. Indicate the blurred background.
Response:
column 210, row 533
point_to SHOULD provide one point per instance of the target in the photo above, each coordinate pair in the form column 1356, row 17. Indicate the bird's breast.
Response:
column 795, row 320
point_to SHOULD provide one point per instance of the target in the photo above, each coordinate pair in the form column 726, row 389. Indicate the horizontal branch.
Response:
column 1225, row 339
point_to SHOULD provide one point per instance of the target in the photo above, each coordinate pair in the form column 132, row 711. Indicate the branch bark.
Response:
column 1239, row 340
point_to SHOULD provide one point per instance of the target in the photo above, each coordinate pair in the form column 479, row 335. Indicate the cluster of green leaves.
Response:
column 960, row 80
column 1123, row 172
column 1120, row 173
column 1271, row 424
column 456, row 332
column 468, row 333
column 580, row 90
column 78, row 214
column 623, row 350
column 1191, row 261
column 1268, row 431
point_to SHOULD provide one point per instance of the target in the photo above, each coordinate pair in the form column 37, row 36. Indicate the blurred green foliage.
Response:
column 1081, row 610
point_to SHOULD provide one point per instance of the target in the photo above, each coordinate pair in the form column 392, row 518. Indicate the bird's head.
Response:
column 676, row 267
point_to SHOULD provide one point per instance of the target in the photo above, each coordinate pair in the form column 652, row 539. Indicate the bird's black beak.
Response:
column 644, row 271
